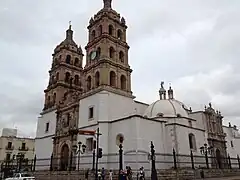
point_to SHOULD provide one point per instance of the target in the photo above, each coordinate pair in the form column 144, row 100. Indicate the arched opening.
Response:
column 110, row 30
column 76, row 80
column 68, row 119
column 97, row 79
column 76, row 62
column 68, row 59
column 64, row 157
column 98, row 52
column 93, row 34
column 57, row 76
column 100, row 30
column 219, row 158
column 112, row 79
column 111, row 52
column 89, row 83
column 54, row 98
column 123, row 82
column 121, row 56
column 67, row 77
column 192, row 141
column 119, row 34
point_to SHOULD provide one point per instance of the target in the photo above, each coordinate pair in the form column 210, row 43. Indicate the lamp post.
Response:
column 120, row 156
column 205, row 150
column 153, row 159
column 78, row 150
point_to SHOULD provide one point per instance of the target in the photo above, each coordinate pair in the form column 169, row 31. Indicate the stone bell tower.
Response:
column 66, row 71
column 107, row 65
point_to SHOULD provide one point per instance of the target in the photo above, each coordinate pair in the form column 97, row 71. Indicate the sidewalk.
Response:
column 224, row 178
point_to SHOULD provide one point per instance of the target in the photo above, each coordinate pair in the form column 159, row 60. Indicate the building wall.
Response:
column 107, row 107
column 44, row 144
column 232, row 135
column 29, row 151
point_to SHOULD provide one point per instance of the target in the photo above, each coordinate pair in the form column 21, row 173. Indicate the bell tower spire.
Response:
column 107, row 4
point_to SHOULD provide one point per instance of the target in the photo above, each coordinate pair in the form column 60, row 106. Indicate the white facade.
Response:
column 43, row 143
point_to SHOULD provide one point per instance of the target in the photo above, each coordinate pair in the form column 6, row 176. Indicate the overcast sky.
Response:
column 192, row 44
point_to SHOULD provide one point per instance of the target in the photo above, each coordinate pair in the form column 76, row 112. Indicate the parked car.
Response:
column 21, row 176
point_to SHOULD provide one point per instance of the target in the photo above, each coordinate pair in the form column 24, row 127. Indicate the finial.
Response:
column 162, row 83
column 70, row 25
column 107, row 4
column 210, row 104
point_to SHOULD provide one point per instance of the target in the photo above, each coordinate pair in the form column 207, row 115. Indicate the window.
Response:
column 232, row 144
column 47, row 127
column 93, row 34
column 123, row 82
column 112, row 79
column 9, row 145
column 121, row 56
column 190, row 123
column 76, row 62
column 119, row 34
column 90, row 115
column 97, row 79
column 8, row 157
column 192, row 142
column 89, row 144
column 67, row 77
column 110, row 30
column 23, row 145
column 100, row 30
column 89, row 83
column 68, row 59
column 111, row 52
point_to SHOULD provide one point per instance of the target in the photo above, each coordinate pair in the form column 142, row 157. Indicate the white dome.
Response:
column 166, row 108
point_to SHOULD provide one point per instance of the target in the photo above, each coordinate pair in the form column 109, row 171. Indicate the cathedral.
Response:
column 99, row 95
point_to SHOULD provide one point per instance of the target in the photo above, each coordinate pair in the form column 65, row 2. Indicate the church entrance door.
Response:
column 64, row 157
column 219, row 158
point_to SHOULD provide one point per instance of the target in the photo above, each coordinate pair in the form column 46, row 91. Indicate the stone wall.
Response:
column 170, row 174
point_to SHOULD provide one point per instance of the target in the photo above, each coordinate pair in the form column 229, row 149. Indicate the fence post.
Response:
column 174, row 159
column 229, row 162
column 192, row 160
column 238, row 161
column 51, row 163
column 34, row 163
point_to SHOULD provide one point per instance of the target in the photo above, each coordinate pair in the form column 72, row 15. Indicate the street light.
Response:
column 205, row 150
column 80, row 149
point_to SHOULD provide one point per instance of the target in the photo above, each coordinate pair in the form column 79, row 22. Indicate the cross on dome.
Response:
column 107, row 4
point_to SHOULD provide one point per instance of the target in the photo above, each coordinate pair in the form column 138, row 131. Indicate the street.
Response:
column 225, row 178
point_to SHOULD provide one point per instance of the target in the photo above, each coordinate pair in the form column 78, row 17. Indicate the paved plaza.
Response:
column 225, row 178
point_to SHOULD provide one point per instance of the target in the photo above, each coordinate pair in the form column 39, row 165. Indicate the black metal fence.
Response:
column 111, row 161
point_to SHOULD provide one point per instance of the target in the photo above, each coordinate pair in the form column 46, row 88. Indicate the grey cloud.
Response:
column 184, row 42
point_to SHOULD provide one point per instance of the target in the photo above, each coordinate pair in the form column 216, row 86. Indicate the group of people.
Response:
column 123, row 174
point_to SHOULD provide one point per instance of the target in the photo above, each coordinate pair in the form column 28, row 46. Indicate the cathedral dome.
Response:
column 166, row 107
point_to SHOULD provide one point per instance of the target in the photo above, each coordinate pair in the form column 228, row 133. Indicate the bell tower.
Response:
column 66, row 71
column 107, row 65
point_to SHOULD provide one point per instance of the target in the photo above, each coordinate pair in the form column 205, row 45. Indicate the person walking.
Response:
column 103, row 174
column 110, row 174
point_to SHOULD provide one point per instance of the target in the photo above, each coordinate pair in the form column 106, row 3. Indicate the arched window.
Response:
column 112, row 79
column 68, row 59
column 121, row 56
column 97, row 79
column 98, row 52
column 68, row 119
column 67, row 77
column 111, row 52
column 110, row 30
column 76, row 80
column 57, row 76
column 89, row 83
column 119, row 34
column 123, row 82
column 93, row 34
column 76, row 62
column 192, row 141
column 54, row 98
column 100, row 30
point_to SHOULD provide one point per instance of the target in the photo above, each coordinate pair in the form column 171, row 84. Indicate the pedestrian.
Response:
column 110, row 174
column 103, row 173
column 99, row 174
column 86, row 174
